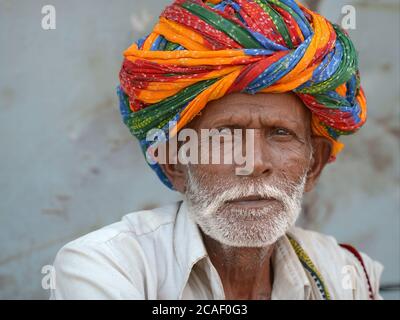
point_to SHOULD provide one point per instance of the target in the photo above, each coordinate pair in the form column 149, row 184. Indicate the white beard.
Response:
column 240, row 227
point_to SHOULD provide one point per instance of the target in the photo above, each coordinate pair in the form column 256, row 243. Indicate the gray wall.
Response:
column 69, row 166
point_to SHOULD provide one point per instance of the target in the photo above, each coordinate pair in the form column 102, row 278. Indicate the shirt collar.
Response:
column 290, row 279
column 188, row 243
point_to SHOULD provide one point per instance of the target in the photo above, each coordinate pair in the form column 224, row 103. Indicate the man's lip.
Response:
column 250, row 198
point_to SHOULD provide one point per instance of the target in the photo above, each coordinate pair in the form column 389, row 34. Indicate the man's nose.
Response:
column 261, row 155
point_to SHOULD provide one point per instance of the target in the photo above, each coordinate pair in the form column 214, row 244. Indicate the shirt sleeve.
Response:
column 91, row 271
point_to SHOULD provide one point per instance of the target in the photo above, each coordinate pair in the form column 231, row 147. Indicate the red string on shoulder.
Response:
column 359, row 258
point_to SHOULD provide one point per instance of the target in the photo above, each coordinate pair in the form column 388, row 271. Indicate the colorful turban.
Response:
column 203, row 50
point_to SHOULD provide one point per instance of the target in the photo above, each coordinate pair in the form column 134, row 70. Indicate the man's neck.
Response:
column 246, row 273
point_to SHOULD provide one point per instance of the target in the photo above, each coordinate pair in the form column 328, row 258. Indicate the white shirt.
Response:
column 159, row 254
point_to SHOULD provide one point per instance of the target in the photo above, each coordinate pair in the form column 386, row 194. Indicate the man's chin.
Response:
column 243, row 243
column 245, row 231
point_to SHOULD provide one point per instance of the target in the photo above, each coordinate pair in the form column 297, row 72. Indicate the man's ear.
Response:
column 322, row 148
column 176, row 174
column 175, row 171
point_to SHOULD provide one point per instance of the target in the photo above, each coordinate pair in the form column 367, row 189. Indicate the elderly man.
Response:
column 274, row 69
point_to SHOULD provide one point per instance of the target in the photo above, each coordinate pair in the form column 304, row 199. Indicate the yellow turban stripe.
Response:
column 200, row 51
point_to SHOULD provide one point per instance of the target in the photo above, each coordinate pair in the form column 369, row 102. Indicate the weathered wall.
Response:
column 69, row 166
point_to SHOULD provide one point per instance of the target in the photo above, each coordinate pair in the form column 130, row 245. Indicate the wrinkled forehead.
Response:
column 254, row 111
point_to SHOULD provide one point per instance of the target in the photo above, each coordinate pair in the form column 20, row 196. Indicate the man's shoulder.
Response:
column 311, row 238
column 337, row 261
column 321, row 244
column 121, row 253
column 134, row 224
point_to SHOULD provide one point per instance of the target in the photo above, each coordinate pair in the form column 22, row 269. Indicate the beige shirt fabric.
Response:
column 159, row 254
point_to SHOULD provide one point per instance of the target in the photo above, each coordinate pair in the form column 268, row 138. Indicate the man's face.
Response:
column 256, row 209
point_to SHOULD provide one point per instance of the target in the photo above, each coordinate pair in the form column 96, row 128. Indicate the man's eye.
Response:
column 281, row 132
column 224, row 131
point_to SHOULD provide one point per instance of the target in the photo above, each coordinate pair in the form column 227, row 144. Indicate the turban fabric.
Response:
column 200, row 51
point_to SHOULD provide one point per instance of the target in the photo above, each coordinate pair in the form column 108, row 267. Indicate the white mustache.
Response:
column 282, row 191
column 240, row 191
column 261, row 191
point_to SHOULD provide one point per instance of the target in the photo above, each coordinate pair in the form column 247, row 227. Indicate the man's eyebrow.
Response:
column 227, row 117
column 279, row 120
column 274, row 119
column 230, row 119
